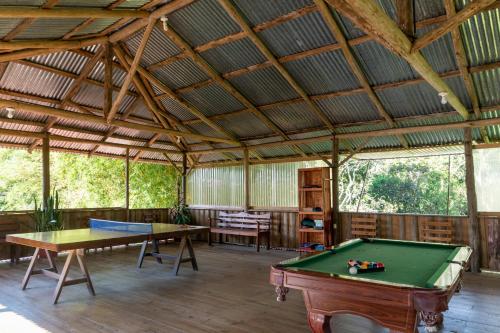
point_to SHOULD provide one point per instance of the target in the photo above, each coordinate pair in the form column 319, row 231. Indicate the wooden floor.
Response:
column 230, row 293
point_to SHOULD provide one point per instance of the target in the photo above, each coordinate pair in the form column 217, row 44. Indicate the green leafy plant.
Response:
column 180, row 214
column 47, row 216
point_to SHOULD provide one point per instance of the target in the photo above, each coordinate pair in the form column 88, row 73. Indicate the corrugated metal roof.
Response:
column 6, row 25
column 212, row 100
column 323, row 73
column 302, row 34
column 67, row 61
column 158, row 48
column 203, row 21
column 97, row 26
column 438, row 52
column 180, row 74
column 264, row 86
column 425, row 9
column 293, row 117
column 488, row 87
column 259, row 11
column 243, row 124
column 348, row 109
column 49, row 28
column 176, row 109
column 78, row 3
column 232, row 56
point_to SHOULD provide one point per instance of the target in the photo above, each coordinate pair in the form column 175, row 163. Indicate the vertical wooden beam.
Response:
column 127, row 183
column 108, row 78
column 471, row 202
column 246, row 180
column 335, row 191
column 183, row 179
column 405, row 16
column 45, row 169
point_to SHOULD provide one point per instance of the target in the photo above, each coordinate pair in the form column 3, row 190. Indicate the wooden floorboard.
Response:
column 230, row 293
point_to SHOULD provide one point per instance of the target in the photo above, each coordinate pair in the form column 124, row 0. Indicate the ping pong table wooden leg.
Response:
column 27, row 276
column 185, row 242
column 80, row 255
column 63, row 275
column 142, row 254
column 156, row 250
column 191, row 253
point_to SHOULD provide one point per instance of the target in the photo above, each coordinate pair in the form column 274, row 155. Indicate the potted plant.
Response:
column 47, row 216
column 180, row 214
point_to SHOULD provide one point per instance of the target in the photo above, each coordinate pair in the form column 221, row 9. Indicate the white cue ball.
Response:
column 353, row 270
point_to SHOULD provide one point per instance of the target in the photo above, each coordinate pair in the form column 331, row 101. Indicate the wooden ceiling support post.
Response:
column 405, row 12
column 127, row 182
column 108, row 79
column 335, row 191
column 131, row 72
column 45, row 169
column 474, row 237
column 183, row 179
column 246, row 180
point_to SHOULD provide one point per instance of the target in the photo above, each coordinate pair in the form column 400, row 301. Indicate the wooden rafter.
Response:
column 463, row 67
column 50, row 44
column 453, row 22
column 354, row 65
column 108, row 79
column 371, row 18
column 405, row 15
column 69, row 12
column 241, row 21
column 131, row 72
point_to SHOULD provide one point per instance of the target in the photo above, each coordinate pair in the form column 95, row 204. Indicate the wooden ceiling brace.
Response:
column 70, row 12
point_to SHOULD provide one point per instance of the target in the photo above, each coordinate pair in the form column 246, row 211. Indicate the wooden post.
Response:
column 335, row 191
column 108, row 79
column 246, row 181
column 183, row 179
column 471, row 202
column 127, row 184
column 46, row 168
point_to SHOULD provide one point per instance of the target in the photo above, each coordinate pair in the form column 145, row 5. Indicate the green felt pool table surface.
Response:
column 407, row 263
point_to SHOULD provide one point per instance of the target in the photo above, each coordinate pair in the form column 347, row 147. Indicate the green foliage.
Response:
column 47, row 216
column 180, row 214
column 152, row 185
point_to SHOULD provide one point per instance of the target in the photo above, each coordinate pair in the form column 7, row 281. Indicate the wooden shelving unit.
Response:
column 314, row 192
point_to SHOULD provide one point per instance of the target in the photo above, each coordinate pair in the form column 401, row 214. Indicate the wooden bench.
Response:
column 10, row 228
column 363, row 227
column 241, row 224
column 436, row 231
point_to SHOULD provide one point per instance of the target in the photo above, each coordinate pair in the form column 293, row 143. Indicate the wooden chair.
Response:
column 436, row 231
column 10, row 228
column 242, row 224
column 363, row 227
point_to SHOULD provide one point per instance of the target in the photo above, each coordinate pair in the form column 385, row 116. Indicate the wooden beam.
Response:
column 463, row 66
column 45, row 169
column 69, row 12
column 355, row 151
column 354, row 65
column 127, row 182
column 166, row 9
column 45, row 110
column 131, row 72
column 246, row 181
column 183, row 179
column 51, row 45
column 474, row 236
column 148, row 144
column 370, row 17
column 238, row 18
column 453, row 22
column 405, row 15
column 335, row 191
column 108, row 79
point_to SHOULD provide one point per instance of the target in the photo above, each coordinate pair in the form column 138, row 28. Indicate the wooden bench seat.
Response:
column 242, row 224
column 5, row 229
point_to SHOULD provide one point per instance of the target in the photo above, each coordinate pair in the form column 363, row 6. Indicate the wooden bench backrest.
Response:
column 363, row 227
column 243, row 220
column 8, row 228
column 436, row 231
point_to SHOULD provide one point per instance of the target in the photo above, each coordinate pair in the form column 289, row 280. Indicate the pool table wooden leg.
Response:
column 319, row 323
column 432, row 320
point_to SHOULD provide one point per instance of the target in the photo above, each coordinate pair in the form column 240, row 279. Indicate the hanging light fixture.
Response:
column 444, row 98
column 10, row 112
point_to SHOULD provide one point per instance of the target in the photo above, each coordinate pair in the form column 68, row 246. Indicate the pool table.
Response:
column 418, row 282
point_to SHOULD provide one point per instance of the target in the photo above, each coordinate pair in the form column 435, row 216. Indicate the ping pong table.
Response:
column 103, row 233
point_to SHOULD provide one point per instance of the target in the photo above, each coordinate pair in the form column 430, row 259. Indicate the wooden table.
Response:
column 417, row 284
column 76, row 241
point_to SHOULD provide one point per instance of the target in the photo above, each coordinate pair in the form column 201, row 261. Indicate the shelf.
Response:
column 311, row 230
column 311, row 189
column 311, row 213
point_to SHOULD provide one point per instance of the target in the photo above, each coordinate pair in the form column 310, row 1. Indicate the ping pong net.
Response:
column 132, row 227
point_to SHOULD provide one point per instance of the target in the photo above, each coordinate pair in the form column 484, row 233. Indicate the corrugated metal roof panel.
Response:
column 176, row 109
column 15, row 140
column 118, row 75
column 78, row 135
column 293, row 117
column 97, row 26
column 481, row 36
column 84, row 125
column 141, row 110
column 232, row 56
column 317, row 147
column 205, row 129
column 279, row 151
column 6, row 25
column 348, row 109
column 264, row 86
column 203, row 21
column 302, row 34
column 180, row 74
column 349, row 29
column 487, row 85
column 493, row 131
column 425, row 9
column 212, row 100
column 137, row 3
column 34, row 81
column 259, row 11
column 49, row 28
column 67, row 61
column 244, row 124
column 17, row 127
column 79, row 3
column 441, row 53
column 323, row 73
column 414, row 152
column 158, row 48
column 375, row 60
